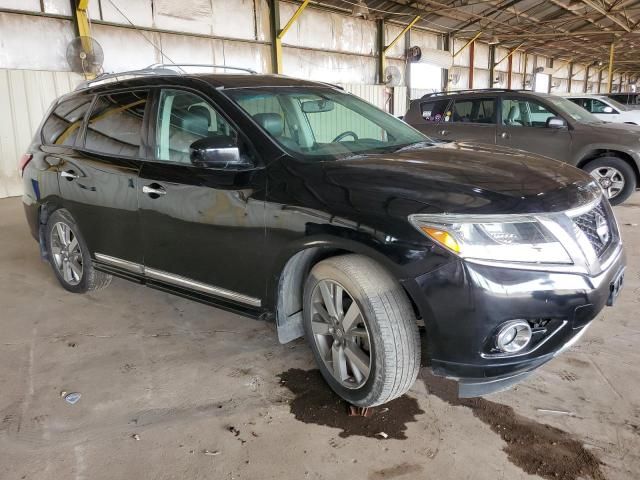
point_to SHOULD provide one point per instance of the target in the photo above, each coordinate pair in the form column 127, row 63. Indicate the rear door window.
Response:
column 63, row 125
column 436, row 110
column 477, row 110
column 115, row 124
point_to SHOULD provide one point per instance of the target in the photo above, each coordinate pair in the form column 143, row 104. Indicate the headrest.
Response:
column 201, row 111
column 271, row 122
column 195, row 123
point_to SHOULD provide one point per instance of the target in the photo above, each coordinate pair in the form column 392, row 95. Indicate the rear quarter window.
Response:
column 64, row 124
column 115, row 124
column 435, row 110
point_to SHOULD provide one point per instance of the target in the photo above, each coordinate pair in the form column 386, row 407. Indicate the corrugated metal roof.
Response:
column 576, row 30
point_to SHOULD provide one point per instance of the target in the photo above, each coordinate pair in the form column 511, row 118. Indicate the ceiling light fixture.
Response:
column 494, row 40
column 360, row 9
column 575, row 5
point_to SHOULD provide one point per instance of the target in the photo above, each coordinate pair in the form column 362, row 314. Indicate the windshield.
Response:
column 576, row 112
column 618, row 105
column 323, row 123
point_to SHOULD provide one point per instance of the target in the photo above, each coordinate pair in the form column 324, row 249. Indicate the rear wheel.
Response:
column 615, row 176
column 362, row 330
column 69, row 256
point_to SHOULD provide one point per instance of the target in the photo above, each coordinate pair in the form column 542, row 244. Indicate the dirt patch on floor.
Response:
column 537, row 448
column 316, row 403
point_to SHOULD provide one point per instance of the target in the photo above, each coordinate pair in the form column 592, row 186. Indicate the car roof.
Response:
column 223, row 81
column 479, row 93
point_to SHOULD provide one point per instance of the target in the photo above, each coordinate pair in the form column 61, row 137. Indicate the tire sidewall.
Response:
column 65, row 217
column 375, row 383
column 623, row 167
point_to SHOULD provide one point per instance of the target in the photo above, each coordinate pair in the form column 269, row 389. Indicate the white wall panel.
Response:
column 25, row 95
column 139, row 12
column 561, row 69
column 30, row 5
column 516, row 81
column 59, row 7
column 481, row 78
column 501, row 53
column 481, row 55
column 424, row 39
column 126, row 49
column 28, row 42
column 463, row 58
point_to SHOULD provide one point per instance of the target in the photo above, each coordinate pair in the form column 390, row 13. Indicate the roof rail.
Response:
column 169, row 66
column 152, row 70
column 477, row 90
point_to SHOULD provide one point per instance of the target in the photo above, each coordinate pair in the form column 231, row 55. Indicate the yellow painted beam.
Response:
column 293, row 18
column 84, row 28
column 401, row 34
column 477, row 35
column 509, row 54
column 611, row 54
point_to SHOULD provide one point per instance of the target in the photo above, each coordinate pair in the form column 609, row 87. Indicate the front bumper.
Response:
column 463, row 304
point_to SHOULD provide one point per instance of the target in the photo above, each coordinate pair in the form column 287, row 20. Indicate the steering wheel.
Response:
column 343, row 135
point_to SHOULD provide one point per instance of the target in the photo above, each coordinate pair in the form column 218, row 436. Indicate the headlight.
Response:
column 519, row 239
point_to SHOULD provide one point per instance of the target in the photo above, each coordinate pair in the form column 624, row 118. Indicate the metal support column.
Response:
column 278, row 34
column 586, row 79
column 509, row 71
column 447, row 41
column 492, row 65
column 570, row 77
column 381, row 41
column 472, row 55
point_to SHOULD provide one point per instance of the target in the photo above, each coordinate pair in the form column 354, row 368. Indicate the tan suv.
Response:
column 538, row 123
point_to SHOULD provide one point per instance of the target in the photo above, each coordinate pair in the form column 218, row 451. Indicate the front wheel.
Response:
column 362, row 330
column 615, row 176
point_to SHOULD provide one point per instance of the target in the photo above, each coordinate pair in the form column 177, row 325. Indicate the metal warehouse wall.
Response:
column 24, row 98
column 34, row 34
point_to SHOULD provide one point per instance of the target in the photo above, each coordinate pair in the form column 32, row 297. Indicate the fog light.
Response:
column 513, row 336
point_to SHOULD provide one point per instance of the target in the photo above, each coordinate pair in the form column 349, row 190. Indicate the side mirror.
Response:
column 216, row 152
column 556, row 122
column 607, row 110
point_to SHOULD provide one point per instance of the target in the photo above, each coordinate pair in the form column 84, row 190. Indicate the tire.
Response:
column 77, row 280
column 621, row 170
column 386, row 319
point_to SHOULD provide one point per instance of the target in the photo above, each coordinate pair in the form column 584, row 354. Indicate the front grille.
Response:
column 590, row 222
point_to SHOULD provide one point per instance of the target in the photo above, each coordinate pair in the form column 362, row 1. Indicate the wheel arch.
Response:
column 290, row 273
column 604, row 152
column 45, row 210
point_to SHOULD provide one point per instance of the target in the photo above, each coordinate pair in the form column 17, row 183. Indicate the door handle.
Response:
column 444, row 132
column 504, row 135
column 69, row 175
column 153, row 189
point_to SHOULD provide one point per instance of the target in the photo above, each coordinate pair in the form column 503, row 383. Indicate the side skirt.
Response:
column 208, row 294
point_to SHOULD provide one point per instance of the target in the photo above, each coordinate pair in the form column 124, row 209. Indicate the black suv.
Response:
column 292, row 200
column 538, row 123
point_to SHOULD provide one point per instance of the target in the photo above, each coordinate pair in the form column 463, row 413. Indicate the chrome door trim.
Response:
column 202, row 287
column 118, row 262
column 178, row 280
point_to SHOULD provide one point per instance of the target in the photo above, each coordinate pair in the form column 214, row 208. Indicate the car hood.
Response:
column 453, row 178
column 615, row 129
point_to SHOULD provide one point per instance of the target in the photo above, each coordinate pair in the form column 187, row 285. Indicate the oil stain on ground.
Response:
column 537, row 448
column 315, row 403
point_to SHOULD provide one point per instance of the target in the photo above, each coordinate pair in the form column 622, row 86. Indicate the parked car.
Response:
column 538, row 123
column 607, row 109
column 294, row 201
column 626, row 98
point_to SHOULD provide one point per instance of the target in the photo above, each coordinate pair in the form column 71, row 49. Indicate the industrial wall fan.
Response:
column 392, row 76
column 85, row 56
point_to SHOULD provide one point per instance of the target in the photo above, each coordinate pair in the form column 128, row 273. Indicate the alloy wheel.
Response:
column 610, row 179
column 340, row 334
column 67, row 254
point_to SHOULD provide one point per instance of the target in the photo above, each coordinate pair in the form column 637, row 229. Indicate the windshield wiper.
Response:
column 415, row 146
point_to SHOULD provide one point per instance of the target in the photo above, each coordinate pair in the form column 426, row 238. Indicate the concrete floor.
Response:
column 163, row 380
